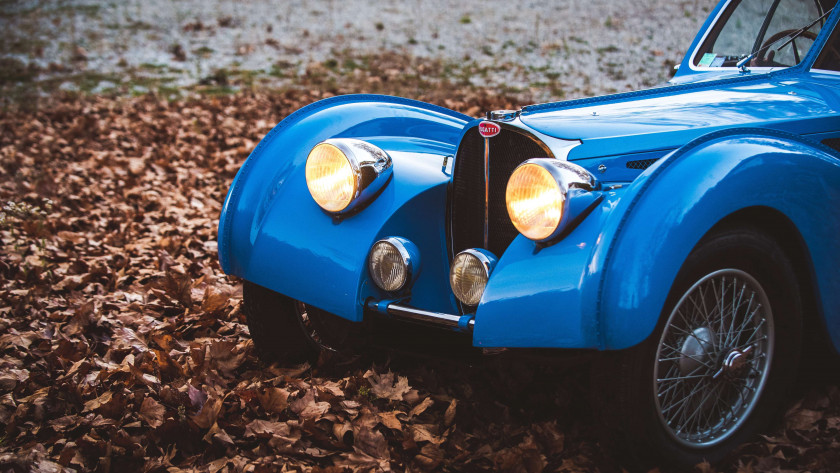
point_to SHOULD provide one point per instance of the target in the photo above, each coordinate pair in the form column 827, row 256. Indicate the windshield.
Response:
column 776, row 33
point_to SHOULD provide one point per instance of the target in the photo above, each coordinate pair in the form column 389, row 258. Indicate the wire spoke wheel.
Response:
column 713, row 358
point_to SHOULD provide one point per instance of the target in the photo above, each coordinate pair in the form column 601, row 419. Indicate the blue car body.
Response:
column 673, row 162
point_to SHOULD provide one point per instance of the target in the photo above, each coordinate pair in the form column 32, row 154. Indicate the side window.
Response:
column 829, row 58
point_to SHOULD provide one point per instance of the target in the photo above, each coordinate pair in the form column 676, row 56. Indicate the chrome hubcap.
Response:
column 696, row 350
column 713, row 358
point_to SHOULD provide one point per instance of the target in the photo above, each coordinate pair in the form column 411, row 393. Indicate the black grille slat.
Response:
column 641, row 163
column 467, row 224
column 508, row 150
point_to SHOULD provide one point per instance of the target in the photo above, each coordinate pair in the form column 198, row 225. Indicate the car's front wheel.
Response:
column 723, row 356
column 287, row 330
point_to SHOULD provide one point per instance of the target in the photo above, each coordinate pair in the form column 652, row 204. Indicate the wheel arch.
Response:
column 781, row 229
column 395, row 123
column 776, row 181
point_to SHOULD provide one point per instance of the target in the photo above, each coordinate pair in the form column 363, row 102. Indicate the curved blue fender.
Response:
column 620, row 263
column 535, row 297
column 270, row 221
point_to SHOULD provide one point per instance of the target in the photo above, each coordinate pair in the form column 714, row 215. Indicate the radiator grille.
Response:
column 508, row 150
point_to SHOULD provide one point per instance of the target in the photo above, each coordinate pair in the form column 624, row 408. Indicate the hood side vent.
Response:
column 641, row 164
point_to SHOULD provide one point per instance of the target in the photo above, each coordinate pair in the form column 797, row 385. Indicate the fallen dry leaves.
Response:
column 123, row 348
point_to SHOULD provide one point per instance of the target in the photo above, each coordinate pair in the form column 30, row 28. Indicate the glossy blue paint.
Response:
column 534, row 296
column 273, row 233
column 602, row 286
column 605, row 284
column 672, row 205
column 668, row 119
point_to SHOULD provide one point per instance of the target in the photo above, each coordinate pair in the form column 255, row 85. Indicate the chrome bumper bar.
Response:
column 462, row 322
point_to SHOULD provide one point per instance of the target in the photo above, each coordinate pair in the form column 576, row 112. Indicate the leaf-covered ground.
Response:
column 123, row 346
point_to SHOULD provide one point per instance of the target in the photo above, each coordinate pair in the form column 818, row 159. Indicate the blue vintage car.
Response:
column 687, row 233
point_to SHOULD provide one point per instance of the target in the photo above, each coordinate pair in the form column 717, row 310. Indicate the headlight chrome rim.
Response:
column 370, row 167
column 571, row 180
column 486, row 260
column 409, row 257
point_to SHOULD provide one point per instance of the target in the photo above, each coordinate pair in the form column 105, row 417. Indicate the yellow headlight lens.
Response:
column 330, row 178
column 534, row 201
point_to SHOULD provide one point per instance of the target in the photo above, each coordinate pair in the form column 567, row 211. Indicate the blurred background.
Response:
column 123, row 346
column 533, row 50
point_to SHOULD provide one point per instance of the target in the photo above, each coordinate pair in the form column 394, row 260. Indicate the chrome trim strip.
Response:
column 554, row 147
column 486, row 191
column 577, row 185
column 825, row 71
column 372, row 168
column 485, row 257
column 419, row 315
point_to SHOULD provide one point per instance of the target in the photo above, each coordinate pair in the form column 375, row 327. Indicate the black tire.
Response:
column 287, row 330
column 645, row 418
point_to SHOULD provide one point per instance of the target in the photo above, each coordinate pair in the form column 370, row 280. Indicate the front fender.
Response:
column 678, row 200
column 269, row 220
column 605, row 284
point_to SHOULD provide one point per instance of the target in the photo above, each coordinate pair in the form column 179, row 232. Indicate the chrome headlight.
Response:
column 343, row 174
column 539, row 193
column 469, row 274
column 393, row 263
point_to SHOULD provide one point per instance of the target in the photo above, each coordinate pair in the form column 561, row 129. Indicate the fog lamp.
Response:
column 469, row 274
column 393, row 263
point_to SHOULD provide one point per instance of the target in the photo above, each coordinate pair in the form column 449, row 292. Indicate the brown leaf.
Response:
column 308, row 408
column 423, row 433
column 449, row 415
column 208, row 414
column 371, row 442
column 430, row 456
column 274, row 400
column 384, row 385
column 152, row 412
column 389, row 419
column 340, row 430
column 94, row 404
column 215, row 300
column 260, row 427
column 11, row 377
column 218, row 434
column 802, row 419
column 420, row 408
column 227, row 355
column 549, row 436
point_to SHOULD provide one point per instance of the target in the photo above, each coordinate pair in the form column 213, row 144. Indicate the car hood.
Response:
column 670, row 116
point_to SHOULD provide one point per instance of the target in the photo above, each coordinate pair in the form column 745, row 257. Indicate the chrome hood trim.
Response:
column 556, row 147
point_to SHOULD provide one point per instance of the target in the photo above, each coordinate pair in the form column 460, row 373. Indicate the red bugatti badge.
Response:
column 488, row 129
